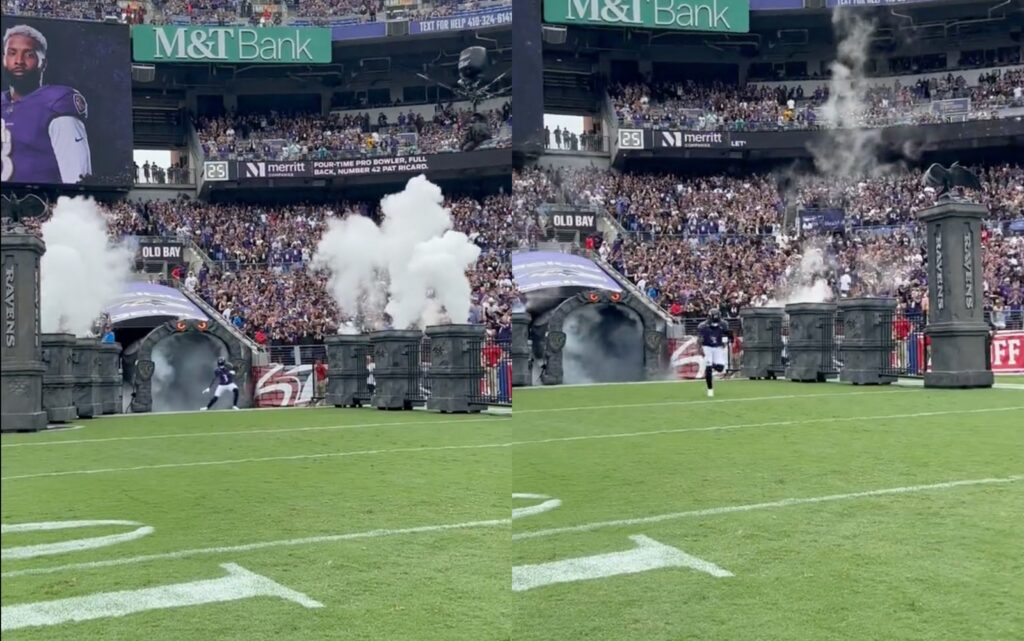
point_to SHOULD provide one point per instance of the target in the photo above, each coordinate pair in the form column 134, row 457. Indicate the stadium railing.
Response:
column 491, row 364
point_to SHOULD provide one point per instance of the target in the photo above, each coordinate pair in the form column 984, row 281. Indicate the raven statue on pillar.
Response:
column 944, row 180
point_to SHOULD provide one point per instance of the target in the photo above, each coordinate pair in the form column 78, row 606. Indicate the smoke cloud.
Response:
column 806, row 281
column 81, row 271
column 849, row 150
column 603, row 344
column 412, row 267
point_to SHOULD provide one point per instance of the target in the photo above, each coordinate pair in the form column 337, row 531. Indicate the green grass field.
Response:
column 841, row 513
column 412, row 515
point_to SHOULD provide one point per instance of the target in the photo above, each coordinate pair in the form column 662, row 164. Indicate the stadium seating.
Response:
column 304, row 137
column 764, row 107
column 694, row 243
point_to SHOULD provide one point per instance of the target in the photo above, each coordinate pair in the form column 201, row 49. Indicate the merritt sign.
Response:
column 690, row 15
column 266, row 45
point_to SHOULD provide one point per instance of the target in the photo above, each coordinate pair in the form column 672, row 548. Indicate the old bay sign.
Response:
column 691, row 15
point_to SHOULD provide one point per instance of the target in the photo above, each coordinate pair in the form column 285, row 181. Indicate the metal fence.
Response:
column 490, row 363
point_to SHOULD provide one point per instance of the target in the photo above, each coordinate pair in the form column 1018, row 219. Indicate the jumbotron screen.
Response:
column 67, row 115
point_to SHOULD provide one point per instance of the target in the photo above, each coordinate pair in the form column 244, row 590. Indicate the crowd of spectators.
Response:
column 718, row 106
column 256, row 13
column 260, row 257
column 97, row 10
column 695, row 242
column 276, row 136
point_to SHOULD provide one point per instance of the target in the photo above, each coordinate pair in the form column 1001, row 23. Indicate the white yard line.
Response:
column 262, row 545
column 750, row 507
column 374, row 534
column 561, row 439
column 247, row 432
column 706, row 401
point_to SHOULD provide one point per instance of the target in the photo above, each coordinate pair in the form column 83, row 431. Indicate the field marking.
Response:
column 244, row 432
column 237, row 585
column 439, row 448
column 261, row 545
column 750, row 507
column 563, row 386
column 647, row 555
column 548, row 504
column 63, row 547
column 717, row 401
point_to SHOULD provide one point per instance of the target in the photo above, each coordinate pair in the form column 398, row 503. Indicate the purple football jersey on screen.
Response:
column 26, row 123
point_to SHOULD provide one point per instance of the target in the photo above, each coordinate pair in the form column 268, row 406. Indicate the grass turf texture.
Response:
column 428, row 585
column 926, row 565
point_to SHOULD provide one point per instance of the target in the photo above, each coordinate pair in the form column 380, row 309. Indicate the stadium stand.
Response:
column 692, row 243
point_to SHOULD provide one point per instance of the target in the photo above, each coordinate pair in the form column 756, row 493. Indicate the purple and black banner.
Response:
column 542, row 270
column 870, row 3
column 775, row 5
column 397, row 167
column 67, row 103
column 482, row 19
column 814, row 221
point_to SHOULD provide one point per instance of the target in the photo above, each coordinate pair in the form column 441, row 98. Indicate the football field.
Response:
column 775, row 511
column 292, row 525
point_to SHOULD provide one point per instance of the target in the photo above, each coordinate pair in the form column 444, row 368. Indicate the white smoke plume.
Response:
column 412, row 267
column 848, row 149
column 81, row 271
column 806, row 281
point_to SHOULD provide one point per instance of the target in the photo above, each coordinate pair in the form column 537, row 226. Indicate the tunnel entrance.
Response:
column 603, row 344
column 182, row 367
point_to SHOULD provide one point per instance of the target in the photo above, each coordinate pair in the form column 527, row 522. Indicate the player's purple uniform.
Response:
column 26, row 124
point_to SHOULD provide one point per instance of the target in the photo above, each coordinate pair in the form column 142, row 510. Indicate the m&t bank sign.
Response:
column 269, row 45
column 689, row 15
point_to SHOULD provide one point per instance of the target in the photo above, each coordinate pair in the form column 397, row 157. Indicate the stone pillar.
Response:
column 21, row 364
column 346, row 374
column 813, row 350
column 868, row 343
column 956, row 320
column 396, row 354
column 456, row 368
column 59, row 380
column 521, row 374
column 762, row 341
column 109, row 367
column 84, row 364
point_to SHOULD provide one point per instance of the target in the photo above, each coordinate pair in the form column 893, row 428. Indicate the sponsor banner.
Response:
column 85, row 81
column 1008, row 352
column 168, row 251
column 572, row 219
column 664, row 139
column 143, row 300
column 686, row 357
column 398, row 166
column 689, row 15
column 263, row 45
column 540, row 270
column 492, row 17
column 359, row 31
column 283, row 385
column 813, row 221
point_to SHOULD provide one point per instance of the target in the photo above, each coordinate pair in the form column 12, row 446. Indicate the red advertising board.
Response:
column 1008, row 352
column 686, row 358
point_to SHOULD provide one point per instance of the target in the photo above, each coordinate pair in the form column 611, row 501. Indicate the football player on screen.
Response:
column 224, row 377
column 43, row 126
column 715, row 337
